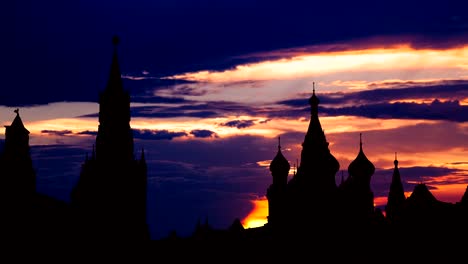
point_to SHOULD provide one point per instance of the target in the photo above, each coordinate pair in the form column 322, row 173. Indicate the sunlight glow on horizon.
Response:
column 258, row 216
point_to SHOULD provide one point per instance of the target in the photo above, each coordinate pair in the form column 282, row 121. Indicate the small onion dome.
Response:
column 313, row 100
column 361, row 165
column 279, row 163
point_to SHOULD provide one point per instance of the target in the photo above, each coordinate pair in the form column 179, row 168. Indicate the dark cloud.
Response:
column 380, row 93
column 156, row 134
column 203, row 133
column 376, row 103
column 157, row 99
column 69, row 44
column 193, row 109
column 57, row 132
column 239, row 123
column 87, row 132
column 437, row 110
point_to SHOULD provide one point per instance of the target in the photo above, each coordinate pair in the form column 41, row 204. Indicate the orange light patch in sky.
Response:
column 258, row 216
column 451, row 193
column 395, row 58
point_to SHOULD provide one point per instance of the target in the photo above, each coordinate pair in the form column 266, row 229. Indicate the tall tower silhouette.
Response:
column 276, row 193
column 313, row 190
column 18, row 175
column 396, row 196
column 110, row 196
column 17, row 182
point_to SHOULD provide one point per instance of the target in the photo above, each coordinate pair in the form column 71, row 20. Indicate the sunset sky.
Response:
column 213, row 85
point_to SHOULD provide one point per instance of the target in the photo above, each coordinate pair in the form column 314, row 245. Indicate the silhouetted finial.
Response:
column 395, row 161
column 115, row 40
column 16, row 111
column 279, row 143
column 313, row 87
column 360, row 141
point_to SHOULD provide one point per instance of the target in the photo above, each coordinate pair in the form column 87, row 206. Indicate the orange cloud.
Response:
column 397, row 58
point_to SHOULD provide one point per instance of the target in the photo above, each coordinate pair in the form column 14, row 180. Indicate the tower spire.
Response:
column 360, row 141
column 115, row 81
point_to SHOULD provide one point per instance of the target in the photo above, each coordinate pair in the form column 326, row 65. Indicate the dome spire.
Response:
column 279, row 163
column 314, row 101
column 360, row 141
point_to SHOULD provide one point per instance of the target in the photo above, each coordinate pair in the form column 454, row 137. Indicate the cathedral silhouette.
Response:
column 110, row 197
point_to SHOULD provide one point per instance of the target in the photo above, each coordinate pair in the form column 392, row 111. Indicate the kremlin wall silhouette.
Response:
column 109, row 200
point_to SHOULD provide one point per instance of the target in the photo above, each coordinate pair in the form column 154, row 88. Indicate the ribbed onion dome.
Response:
column 361, row 166
column 279, row 162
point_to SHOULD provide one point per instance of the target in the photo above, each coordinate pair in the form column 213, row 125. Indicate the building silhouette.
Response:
column 26, row 214
column 109, row 200
column 311, row 206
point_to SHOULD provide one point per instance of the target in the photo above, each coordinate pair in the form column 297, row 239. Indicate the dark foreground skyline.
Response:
column 211, row 92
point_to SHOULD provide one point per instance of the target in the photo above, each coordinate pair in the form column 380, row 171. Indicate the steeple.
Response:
column 17, row 137
column 17, row 124
column 114, row 140
column 115, row 80
column 317, row 164
column 396, row 195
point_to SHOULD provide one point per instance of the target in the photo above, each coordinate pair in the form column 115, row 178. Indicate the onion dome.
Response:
column 279, row 162
column 361, row 166
column 313, row 100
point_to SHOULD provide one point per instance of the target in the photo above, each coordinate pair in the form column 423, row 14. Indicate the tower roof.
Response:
column 115, row 80
column 396, row 193
column 279, row 162
column 17, row 124
column 361, row 165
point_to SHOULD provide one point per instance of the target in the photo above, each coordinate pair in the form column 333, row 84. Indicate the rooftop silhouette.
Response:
column 109, row 199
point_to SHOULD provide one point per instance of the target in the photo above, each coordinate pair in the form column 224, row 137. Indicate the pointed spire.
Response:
column 279, row 143
column 115, row 80
column 360, row 141
column 395, row 161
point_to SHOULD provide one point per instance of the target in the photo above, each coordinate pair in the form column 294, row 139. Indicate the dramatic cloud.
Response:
column 384, row 103
column 239, row 123
column 156, row 134
column 57, row 132
column 87, row 132
column 203, row 133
